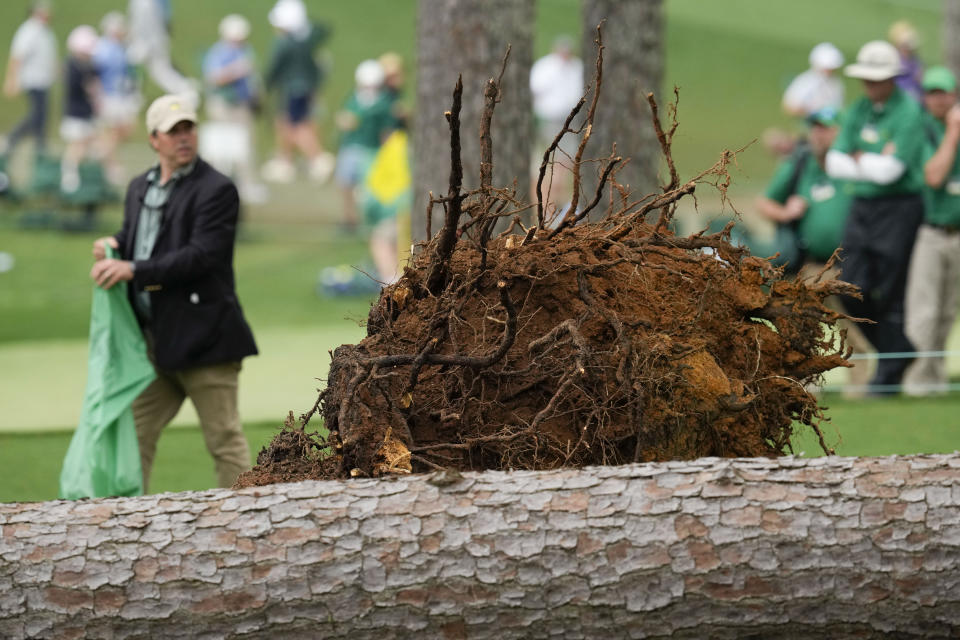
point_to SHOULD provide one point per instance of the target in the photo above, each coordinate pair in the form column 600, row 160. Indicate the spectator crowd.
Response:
column 106, row 68
column 879, row 179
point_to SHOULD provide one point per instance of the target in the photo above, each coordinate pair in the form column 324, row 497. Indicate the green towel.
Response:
column 104, row 458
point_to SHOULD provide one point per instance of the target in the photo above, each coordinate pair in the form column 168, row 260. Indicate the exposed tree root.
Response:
column 574, row 342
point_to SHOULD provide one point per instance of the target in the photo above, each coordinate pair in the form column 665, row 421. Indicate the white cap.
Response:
column 877, row 60
column 234, row 27
column 825, row 56
column 82, row 40
column 289, row 15
column 166, row 111
column 369, row 74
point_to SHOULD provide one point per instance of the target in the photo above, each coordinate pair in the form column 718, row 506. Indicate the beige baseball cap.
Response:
column 166, row 111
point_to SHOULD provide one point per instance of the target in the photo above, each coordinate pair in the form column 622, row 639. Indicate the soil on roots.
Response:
column 602, row 344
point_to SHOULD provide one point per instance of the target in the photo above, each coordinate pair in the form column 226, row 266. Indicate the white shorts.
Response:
column 76, row 129
column 119, row 110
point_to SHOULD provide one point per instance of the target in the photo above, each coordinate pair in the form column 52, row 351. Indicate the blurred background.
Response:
column 731, row 61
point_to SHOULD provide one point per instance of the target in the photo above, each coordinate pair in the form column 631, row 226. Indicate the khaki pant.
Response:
column 931, row 306
column 213, row 391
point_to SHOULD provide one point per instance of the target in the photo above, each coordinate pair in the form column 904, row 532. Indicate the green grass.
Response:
column 47, row 295
column 883, row 427
column 30, row 462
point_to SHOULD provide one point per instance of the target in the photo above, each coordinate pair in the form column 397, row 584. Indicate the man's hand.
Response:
column 794, row 208
column 108, row 272
column 100, row 247
column 10, row 87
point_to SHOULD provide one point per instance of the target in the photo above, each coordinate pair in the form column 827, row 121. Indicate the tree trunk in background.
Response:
column 951, row 35
column 633, row 66
column 469, row 37
column 711, row 548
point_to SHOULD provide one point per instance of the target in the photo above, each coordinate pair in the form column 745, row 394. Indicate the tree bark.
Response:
column 951, row 35
column 470, row 37
column 633, row 67
column 714, row 548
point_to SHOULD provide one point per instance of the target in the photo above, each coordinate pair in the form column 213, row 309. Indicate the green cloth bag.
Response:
column 104, row 457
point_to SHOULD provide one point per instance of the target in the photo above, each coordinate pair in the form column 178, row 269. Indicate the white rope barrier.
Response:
column 915, row 389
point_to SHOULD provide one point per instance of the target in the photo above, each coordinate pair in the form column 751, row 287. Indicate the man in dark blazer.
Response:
column 176, row 251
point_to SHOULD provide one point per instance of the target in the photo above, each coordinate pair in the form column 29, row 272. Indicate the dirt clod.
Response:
column 600, row 339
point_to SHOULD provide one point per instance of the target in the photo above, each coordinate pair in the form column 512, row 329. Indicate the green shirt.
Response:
column 896, row 124
column 293, row 71
column 149, row 221
column 828, row 204
column 941, row 206
column 374, row 121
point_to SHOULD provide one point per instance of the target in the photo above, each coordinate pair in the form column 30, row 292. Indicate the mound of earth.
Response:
column 574, row 343
column 581, row 349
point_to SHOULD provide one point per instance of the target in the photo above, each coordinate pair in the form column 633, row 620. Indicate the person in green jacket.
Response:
column 879, row 150
column 295, row 76
column 934, row 276
column 812, row 208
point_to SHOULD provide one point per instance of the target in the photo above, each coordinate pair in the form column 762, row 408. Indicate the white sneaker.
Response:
column 279, row 170
column 322, row 166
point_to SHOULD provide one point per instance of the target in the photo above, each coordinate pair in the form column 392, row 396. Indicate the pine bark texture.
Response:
column 470, row 37
column 714, row 548
column 633, row 40
column 951, row 34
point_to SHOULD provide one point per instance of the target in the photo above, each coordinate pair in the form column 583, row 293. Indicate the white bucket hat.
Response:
column 826, row 56
column 289, row 15
column 877, row 60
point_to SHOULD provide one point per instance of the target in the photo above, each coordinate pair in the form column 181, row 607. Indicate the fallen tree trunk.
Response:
column 826, row 547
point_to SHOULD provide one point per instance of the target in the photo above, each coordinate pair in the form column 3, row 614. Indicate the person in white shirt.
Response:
column 556, row 83
column 32, row 69
column 818, row 87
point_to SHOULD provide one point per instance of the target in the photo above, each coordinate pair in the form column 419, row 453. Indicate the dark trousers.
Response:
column 877, row 245
column 34, row 123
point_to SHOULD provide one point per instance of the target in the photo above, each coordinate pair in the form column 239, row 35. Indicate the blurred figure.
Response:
column 120, row 99
column 387, row 195
column 150, row 47
column 81, row 99
column 227, row 139
column 394, row 84
column 934, row 277
column 904, row 37
column 556, row 84
column 818, row 87
column 32, row 69
column 364, row 121
column 296, row 77
column 879, row 149
column 810, row 210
